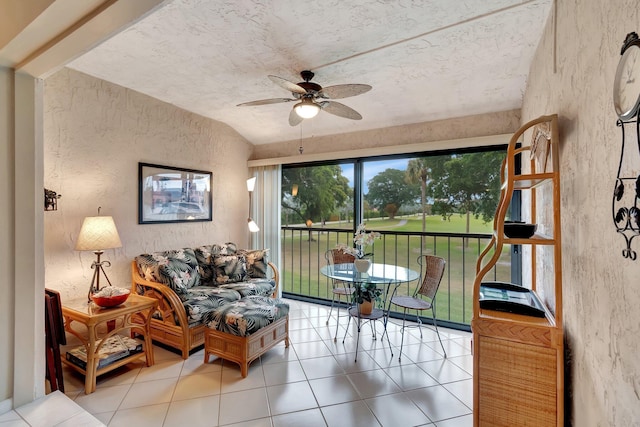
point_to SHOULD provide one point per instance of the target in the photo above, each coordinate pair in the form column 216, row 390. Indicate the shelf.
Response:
column 527, row 181
column 518, row 359
column 536, row 239
column 111, row 366
column 375, row 314
column 494, row 315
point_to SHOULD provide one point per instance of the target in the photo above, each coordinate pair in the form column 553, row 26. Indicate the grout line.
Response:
column 313, row 316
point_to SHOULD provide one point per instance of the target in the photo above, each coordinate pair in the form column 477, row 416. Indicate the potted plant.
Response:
column 361, row 239
column 366, row 295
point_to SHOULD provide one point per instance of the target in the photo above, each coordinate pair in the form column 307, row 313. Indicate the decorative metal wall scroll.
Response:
column 626, row 101
column 51, row 200
column 626, row 194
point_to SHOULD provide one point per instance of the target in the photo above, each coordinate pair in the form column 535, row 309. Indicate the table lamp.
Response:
column 97, row 234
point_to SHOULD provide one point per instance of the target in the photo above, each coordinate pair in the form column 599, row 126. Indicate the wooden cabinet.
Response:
column 518, row 359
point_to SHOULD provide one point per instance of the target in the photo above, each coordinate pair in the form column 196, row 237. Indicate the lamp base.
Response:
column 97, row 266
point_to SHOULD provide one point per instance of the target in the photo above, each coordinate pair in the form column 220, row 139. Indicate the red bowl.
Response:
column 112, row 301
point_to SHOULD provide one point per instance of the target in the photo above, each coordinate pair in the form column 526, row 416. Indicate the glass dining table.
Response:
column 386, row 276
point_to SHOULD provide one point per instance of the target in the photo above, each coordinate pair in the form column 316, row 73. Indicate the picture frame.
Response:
column 168, row 194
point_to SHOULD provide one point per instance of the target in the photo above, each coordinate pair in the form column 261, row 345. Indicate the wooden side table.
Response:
column 113, row 320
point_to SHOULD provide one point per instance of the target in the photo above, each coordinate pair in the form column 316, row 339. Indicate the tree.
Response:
column 389, row 188
column 321, row 191
column 470, row 184
column 391, row 209
column 419, row 171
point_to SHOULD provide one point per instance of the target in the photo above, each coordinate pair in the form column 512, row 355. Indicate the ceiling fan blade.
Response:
column 287, row 85
column 294, row 118
column 344, row 91
column 266, row 102
column 341, row 110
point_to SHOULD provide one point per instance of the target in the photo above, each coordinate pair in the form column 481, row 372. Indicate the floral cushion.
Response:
column 204, row 299
column 246, row 316
column 256, row 262
column 229, row 268
column 260, row 287
column 177, row 269
column 206, row 261
column 204, row 257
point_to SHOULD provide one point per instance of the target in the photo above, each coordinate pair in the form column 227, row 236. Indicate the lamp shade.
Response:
column 253, row 227
column 98, row 233
column 307, row 109
column 251, row 183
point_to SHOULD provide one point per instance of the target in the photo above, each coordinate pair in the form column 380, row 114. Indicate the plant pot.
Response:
column 366, row 307
column 362, row 265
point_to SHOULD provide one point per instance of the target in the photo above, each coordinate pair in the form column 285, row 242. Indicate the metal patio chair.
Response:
column 339, row 288
column 424, row 297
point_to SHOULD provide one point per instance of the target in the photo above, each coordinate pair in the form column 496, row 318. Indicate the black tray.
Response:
column 511, row 298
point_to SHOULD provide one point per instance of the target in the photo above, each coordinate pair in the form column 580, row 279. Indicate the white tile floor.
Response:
column 315, row 382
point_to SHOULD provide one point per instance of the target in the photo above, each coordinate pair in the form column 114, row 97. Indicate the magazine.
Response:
column 115, row 347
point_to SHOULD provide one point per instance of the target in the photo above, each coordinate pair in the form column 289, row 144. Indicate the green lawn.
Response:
column 434, row 224
column 303, row 258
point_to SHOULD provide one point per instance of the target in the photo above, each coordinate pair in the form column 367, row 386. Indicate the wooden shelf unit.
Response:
column 518, row 360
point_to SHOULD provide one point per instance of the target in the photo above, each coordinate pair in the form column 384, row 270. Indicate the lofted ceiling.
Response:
column 426, row 60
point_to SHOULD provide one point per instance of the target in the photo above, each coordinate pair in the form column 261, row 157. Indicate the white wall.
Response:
column 498, row 123
column 7, row 259
column 601, row 288
column 95, row 135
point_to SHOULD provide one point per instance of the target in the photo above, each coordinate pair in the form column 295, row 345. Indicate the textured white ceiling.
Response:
column 426, row 60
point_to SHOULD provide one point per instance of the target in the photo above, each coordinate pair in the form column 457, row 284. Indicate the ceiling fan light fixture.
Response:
column 307, row 109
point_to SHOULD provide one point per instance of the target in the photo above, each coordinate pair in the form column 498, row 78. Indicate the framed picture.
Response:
column 170, row 194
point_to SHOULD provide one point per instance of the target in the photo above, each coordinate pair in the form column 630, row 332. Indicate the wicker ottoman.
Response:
column 243, row 330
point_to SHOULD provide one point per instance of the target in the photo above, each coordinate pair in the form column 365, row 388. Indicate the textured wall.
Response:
column 601, row 289
column 95, row 135
column 462, row 127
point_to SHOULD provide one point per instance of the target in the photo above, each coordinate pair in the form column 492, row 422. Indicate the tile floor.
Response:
column 315, row 382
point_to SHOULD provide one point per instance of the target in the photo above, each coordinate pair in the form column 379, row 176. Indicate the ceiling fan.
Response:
column 314, row 98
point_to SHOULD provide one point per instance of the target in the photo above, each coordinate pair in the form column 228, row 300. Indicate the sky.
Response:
column 373, row 168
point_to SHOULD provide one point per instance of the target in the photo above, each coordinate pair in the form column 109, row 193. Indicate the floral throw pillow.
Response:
column 204, row 256
column 256, row 263
column 177, row 269
column 228, row 248
column 229, row 268
column 206, row 266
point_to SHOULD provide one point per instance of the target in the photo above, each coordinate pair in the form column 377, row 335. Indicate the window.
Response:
column 440, row 202
column 317, row 195
column 466, row 184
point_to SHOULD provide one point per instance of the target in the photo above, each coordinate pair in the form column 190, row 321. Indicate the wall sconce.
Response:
column 294, row 190
column 51, row 200
column 251, row 184
column 97, row 234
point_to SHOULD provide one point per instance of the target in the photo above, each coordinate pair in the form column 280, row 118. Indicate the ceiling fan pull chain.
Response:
column 301, row 148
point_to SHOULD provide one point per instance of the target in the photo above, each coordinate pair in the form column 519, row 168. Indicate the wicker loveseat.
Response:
column 191, row 283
